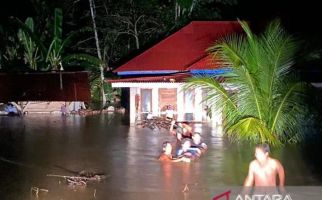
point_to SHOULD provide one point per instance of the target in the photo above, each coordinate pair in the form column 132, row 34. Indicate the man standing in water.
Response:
column 264, row 169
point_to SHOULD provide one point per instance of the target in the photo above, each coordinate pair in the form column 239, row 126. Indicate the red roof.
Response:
column 183, row 48
column 169, row 78
column 207, row 62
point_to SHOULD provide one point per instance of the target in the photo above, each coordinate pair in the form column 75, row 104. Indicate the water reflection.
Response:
column 34, row 146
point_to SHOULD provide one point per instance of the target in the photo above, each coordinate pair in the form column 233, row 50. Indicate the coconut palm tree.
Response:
column 92, row 64
column 265, row 97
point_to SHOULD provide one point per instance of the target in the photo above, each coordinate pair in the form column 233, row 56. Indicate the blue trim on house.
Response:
column 211, row 71
column 147, row 72
column 204, row 72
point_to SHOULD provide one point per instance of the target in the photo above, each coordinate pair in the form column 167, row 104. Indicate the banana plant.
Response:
column 31, row 51
column 55, row 57
column 52, row 55
column 56, row 49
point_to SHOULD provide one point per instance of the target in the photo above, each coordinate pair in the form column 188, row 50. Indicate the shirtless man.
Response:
column 264, row 169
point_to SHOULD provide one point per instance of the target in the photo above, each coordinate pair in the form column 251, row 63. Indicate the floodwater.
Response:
column 37, row 145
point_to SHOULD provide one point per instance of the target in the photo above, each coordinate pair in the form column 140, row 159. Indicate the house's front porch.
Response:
column 154, row 97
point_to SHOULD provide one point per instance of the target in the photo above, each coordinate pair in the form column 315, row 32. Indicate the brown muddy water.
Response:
column 36, row 145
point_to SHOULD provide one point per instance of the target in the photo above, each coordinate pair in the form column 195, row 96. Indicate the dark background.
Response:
column 302, row 17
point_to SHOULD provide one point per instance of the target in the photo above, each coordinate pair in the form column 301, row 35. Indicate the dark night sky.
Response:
column 18, row 8
column 301, row 16
column 297, row 16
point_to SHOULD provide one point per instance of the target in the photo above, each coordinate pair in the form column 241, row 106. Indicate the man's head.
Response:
column 196, row 138
column 262, row 152
column 167, row 147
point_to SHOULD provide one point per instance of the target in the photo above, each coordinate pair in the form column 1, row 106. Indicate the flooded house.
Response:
column 155, row 78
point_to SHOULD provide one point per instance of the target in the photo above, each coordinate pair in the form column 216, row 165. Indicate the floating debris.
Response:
column 156, row 123
column 94, row 194
column 81, row 180
column 186, row 188
column 34, row 191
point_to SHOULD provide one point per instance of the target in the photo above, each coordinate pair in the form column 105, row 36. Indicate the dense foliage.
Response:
column 62, row 38
column 262, row 99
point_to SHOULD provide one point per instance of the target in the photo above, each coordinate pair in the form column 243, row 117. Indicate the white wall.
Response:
column 180, row 104
column 198, row 105
column 133, row 92
column 135, row 88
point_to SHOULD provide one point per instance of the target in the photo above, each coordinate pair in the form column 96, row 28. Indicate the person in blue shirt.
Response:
column 187, row 151
column 196, row 142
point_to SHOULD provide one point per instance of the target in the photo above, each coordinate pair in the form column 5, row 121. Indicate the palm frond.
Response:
column 266, row 99
column 217, row 97
column 287, row 107
column 252, row 129
column 228, row 51
column 92, row 61
column 95, row 89
column 217, row 93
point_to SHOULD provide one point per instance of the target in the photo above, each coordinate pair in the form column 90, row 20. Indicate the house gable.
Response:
column 181, row 50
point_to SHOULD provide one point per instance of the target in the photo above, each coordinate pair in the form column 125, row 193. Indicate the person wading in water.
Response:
column 264, row 169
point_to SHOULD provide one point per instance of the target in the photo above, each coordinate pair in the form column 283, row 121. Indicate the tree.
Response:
column 93, row 15
column 266, row 102
column 92, row 64
column 187, row 10
column 54, row 57
column 10, row 50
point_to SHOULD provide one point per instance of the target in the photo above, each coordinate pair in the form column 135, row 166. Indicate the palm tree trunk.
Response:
column 93, row 14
